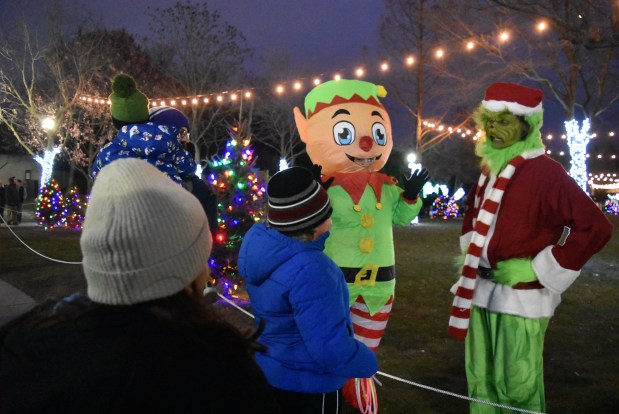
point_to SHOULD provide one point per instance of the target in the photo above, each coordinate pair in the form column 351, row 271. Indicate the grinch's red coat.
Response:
column 539, row 200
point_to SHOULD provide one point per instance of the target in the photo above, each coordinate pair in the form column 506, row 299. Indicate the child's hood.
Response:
column 264, row 250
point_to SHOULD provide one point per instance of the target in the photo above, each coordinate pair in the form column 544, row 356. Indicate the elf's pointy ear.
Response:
column 301, row 123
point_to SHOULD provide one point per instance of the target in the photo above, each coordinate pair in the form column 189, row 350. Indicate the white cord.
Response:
column 416, row 384
column 34, row 251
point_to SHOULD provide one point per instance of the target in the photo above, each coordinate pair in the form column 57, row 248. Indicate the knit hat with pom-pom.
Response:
column 129, row 105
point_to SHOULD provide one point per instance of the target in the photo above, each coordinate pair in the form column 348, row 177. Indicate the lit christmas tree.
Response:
column 444, row 207
column 50, row 210
column 239, row 190
column 75, row 207
column 612, row 205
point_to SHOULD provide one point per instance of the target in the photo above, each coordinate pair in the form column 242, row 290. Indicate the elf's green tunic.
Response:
column 362, row 237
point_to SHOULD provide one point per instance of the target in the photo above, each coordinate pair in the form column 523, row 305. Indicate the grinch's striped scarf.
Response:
column 461, row 308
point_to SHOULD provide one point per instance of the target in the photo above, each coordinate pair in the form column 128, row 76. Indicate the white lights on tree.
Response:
column 577, row 141
column 199, row 170
column 458, row 194
column 47, row 164
column 283, row 164
column 429, row 188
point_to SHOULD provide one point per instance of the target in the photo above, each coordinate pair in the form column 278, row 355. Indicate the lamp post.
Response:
column 412, row 164
column 48, row 124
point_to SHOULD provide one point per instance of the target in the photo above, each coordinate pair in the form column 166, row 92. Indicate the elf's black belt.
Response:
column 486, row 273
column 368, row 274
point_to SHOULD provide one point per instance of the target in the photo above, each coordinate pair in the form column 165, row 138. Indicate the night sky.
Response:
column 328, row 34
column 323, row 34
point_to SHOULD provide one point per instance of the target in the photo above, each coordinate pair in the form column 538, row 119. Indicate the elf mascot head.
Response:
column 345, row 128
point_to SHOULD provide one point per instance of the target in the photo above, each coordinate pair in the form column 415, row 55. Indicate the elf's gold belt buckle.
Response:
column 366, row 276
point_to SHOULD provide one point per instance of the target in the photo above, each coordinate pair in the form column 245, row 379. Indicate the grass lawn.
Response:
column 581, row 355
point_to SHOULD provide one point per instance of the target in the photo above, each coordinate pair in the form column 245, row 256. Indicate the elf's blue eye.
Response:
column 379, row 133
column 344, row 133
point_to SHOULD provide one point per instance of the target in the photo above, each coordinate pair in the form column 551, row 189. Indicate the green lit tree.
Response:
column 75, row 207
column 239, row 188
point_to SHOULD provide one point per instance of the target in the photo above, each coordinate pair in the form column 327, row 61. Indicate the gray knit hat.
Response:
column 144, row 236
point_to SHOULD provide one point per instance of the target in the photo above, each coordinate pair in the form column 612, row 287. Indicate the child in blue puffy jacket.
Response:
column 155, row 136
column 301, row 296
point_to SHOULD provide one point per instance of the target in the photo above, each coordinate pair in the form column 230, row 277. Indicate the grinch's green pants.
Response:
column 504, row 361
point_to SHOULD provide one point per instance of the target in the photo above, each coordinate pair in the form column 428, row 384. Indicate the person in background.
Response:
column 12, row 201
column 517, row 259
column 141, row 340
column 21, row 191
column 202, row 190
column 300, row 296
column 2, row 198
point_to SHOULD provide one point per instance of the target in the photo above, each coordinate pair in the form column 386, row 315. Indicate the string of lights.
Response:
column 302, row 84
column 384, row 65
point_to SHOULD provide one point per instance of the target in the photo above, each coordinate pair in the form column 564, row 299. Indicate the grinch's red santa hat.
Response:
column 517, row 99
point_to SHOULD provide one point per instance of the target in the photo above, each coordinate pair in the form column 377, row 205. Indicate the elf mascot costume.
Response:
column 517, row 259
column 347, row 132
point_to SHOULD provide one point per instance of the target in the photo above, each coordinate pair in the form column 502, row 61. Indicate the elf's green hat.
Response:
column 129, row 105
column 340, row 91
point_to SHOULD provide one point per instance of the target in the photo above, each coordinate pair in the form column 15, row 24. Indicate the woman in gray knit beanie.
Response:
column 142, row 339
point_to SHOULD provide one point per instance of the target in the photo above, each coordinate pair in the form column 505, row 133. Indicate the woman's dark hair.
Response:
column 183, row 312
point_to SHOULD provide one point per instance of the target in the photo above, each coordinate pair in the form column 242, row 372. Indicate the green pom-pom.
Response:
column 124, row 85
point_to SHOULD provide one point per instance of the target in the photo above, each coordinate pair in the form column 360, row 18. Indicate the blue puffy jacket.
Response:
column 157, row 144
column 302, row 297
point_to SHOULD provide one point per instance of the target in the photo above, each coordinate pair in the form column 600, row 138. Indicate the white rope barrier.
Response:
column 34, row 251
column 393, row 377
column 452, row 394
column 415, row 384
column 235, row 305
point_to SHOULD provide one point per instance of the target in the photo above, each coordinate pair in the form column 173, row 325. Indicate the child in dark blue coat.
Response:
column 301, row 296
column 156, row 136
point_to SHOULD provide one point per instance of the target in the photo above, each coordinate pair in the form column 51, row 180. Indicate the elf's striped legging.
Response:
column 369, row 329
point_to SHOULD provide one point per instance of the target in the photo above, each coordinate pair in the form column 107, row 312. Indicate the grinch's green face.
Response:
column 503, row 129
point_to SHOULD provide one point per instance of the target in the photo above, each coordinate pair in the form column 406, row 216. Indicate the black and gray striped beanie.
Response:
column 297, row 202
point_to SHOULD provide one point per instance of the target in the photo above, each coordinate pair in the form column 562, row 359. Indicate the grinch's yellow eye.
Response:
column 344, row 133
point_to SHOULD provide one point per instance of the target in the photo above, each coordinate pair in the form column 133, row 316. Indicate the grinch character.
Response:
column 347, row 132
column 518, row 259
